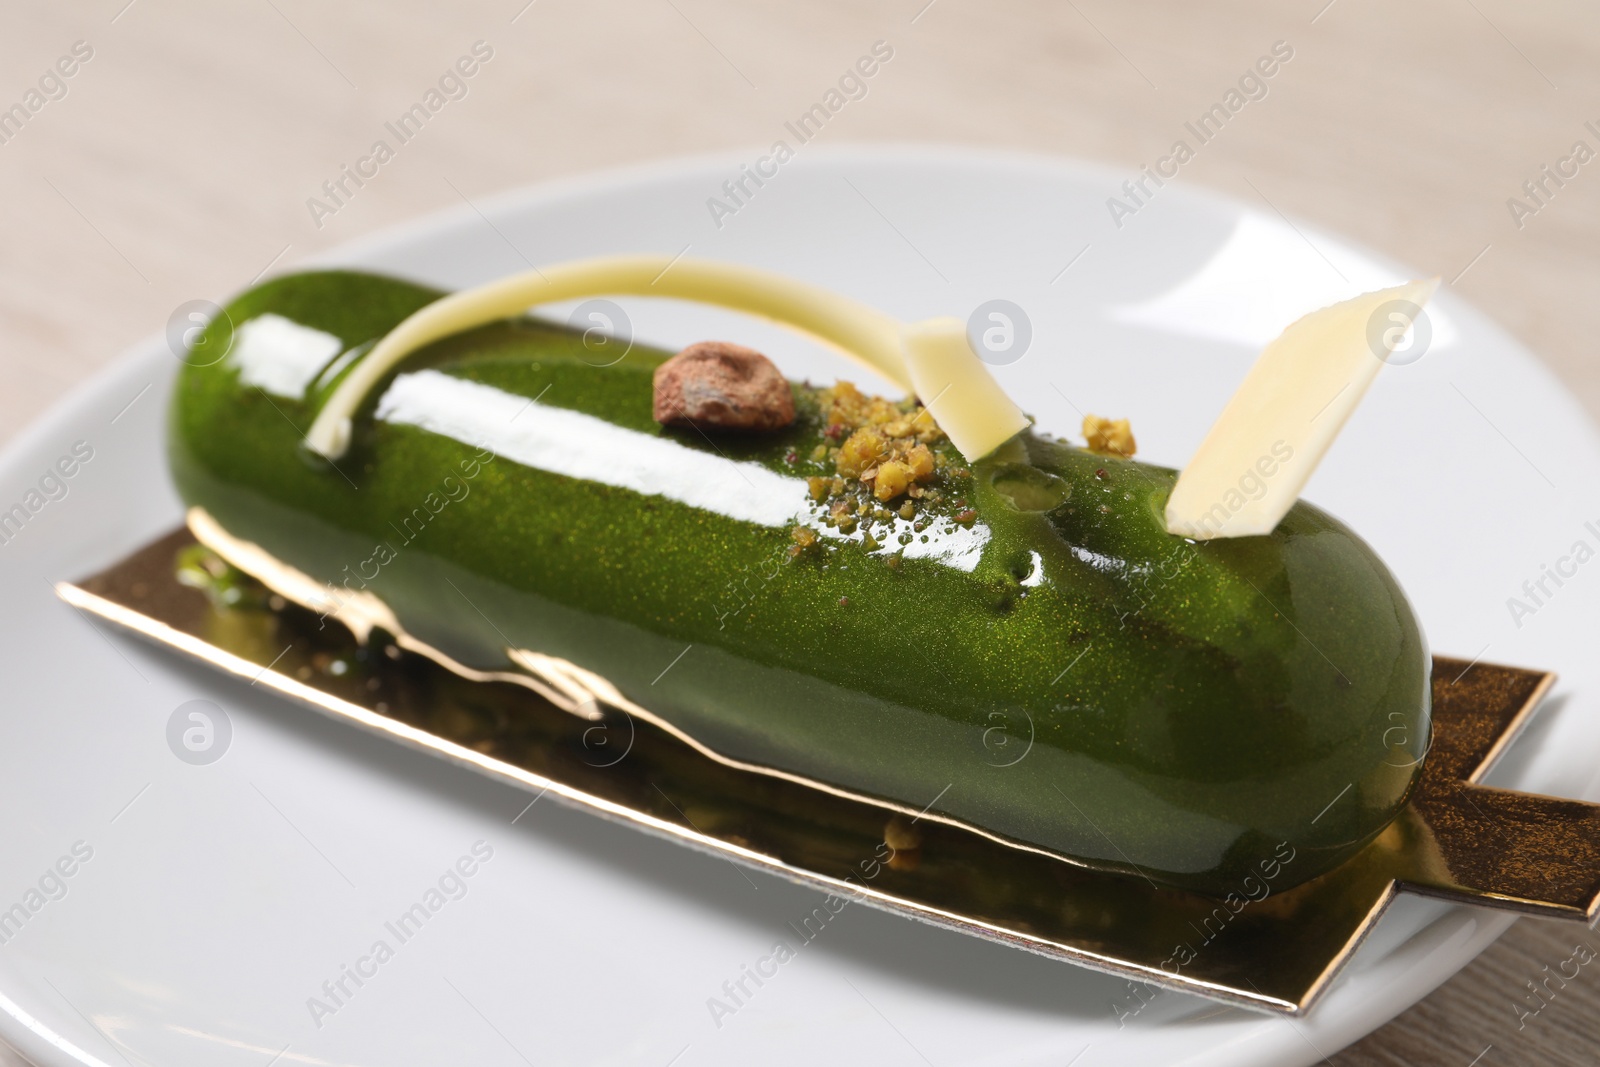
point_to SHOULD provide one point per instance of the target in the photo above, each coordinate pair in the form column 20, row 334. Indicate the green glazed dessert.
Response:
column 825, row 587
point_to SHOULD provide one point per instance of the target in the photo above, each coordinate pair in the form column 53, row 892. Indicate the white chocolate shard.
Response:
column 956, row 386
column 1258, row 456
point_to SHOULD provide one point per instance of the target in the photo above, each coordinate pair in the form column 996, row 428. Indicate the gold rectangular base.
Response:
column 1457, row 839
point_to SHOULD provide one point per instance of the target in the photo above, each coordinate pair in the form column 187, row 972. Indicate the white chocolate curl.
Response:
column 970, row 412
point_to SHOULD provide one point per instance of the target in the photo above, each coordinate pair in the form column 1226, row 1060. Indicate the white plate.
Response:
column 219, row 898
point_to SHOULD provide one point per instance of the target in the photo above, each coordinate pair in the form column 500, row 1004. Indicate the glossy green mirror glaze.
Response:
column 1030, row 653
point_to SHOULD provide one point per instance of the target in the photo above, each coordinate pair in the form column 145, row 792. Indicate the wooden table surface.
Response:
column 178, row 164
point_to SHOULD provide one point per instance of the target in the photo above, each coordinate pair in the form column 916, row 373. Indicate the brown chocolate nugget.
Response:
column 715, row 384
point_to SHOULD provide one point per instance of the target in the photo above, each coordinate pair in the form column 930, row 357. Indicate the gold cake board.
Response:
column 1278, row 951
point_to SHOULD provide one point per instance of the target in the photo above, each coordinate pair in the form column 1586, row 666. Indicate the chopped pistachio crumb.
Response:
column 1111, row 437
column 919, row 458
column 888, row 459
column 902, row 835
column 880, row 432
column 861, row 452
column 893, row 479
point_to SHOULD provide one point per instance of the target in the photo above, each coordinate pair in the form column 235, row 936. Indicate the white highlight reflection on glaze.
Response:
column 1265, row 276
column 280, row 356
column 577, row 445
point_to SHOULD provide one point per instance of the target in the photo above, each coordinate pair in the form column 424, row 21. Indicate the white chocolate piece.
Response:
column 849, row 326
column 1258, row 456
column 956, row 386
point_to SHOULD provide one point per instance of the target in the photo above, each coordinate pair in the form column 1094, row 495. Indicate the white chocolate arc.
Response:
column 1264, row 447
column 849, row 326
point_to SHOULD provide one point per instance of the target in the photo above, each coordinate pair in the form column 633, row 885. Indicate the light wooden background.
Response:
column 178, row 164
